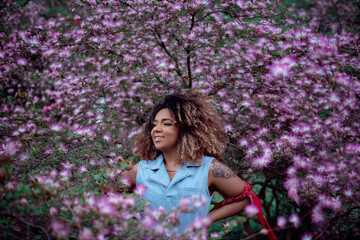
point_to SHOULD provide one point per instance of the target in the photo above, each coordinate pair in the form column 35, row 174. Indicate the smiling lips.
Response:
column 158, row 138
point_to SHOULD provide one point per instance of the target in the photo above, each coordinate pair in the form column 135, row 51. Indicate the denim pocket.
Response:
column 189, row 191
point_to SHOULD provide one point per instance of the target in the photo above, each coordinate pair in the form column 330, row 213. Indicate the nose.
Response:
column 157, row 128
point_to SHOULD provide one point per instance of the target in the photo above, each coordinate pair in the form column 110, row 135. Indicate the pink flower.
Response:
column 261, row 161
column 149, row 102
column 65, row 174
column 294, row 219
column 11, row 185
column 222, row 93
column 292, row 185
column 60, row 229
column 140, row 189
column 176, row 7
column 130, row 201
column 279, row 70
column 82, row 168
column 251, row 210
column 159, row 230
column 107, row 209
column 200, row 223
column 126, row 181
column 86, row 234
column 214, row 235
column 129, row 59
column 293, row 194
column 56, row 127
column 54, row 173
column 115, row 199
column 53, row 212
column 91, row 201
column 227, row 107
column 148, row 222
column 243, row 142
column 9, row 148
column 281, row 221
column 317, row 215
column 290, row 61
column 22, row 61
column 307, row 236
column 107, row 137
column 23, row 202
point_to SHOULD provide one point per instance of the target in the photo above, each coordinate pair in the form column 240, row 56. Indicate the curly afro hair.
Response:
column 201, row 128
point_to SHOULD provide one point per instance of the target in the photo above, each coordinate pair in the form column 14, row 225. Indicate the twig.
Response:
column 322, row 232
column 357, row 49
column 260, row 233
column 27, row 223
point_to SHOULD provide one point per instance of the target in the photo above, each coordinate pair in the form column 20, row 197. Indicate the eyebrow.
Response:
column 164, row 119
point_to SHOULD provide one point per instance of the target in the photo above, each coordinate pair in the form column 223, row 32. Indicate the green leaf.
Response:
column 324, row 114
column 98, row 177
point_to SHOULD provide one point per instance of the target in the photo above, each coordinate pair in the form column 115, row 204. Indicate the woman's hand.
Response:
column 130, row 174
column 227, row 183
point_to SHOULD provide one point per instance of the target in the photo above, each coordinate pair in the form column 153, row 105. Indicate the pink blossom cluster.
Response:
column 116, row 216
column 288, row 94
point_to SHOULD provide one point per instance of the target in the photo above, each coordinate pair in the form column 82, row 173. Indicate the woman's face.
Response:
column 164, row 133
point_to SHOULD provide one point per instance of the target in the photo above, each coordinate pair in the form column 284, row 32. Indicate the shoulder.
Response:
column 224, row 180
column 218, row 169
column 207, row 159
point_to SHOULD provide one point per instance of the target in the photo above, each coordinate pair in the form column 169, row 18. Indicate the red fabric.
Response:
column 254, row 200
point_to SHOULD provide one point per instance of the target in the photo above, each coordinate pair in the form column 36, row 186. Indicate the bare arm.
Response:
column 131, row 174
column 227, row 183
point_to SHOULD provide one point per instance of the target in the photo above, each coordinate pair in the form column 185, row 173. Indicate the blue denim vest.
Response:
column 190, row 180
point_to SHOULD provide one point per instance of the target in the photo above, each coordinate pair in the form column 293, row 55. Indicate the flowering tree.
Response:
column 79, row 78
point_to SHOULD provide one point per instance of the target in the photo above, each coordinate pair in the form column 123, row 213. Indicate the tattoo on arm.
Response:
column 220, row 170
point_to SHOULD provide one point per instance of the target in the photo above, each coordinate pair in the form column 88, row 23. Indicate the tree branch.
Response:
column 162, row 44
column 188, row 63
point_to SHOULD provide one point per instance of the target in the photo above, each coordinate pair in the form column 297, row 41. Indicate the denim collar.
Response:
column 156, row 164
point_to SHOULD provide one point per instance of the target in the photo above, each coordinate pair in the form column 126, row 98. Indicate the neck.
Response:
column 171, row 160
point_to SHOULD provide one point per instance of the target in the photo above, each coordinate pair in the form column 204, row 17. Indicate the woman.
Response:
column 184, row 139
